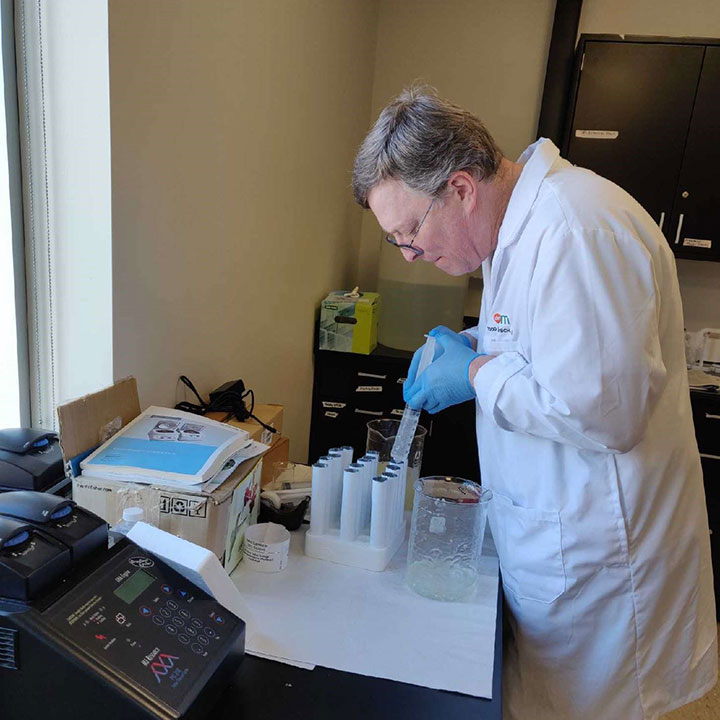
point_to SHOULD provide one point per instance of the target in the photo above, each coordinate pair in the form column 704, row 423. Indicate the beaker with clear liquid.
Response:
column 381, row 436
column 446, row 535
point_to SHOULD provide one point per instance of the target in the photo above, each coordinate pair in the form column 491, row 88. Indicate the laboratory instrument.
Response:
column 31, row 459
column 81, row 531
column 446, row 535
column 114, row 634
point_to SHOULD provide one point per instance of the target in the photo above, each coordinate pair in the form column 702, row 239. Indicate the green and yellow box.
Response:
column 348, row 321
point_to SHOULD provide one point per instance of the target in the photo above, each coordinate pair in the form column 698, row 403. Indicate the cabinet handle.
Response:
column 680, row 222
column 708, row 416
column 662, row 220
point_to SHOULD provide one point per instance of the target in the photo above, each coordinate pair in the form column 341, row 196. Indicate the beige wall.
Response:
column 699, row 281
column 234, row 126
column 488, row 56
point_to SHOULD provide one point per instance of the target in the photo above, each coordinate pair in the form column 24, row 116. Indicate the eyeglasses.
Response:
column 409, row 246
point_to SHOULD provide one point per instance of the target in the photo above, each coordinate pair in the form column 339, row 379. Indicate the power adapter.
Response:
column 233, row 386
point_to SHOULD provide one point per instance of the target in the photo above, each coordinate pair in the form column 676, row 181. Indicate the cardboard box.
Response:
column 215, row 517
column 348, row 323
column 271, row 415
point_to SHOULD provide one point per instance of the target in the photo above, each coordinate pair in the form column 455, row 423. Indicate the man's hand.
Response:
column 435, row 332
column 446, row 381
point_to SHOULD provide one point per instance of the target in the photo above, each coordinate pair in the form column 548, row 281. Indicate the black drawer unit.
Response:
column 349, row 390
column 706, row 416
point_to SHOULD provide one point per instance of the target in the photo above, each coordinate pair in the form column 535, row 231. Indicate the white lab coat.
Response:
column 586, row 439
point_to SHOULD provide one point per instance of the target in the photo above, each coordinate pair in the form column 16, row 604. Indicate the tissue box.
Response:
column 348, row 322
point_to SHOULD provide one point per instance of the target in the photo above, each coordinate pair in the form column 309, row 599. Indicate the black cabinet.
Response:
column 696, row 215
column 643, row 113
column 349, row 390
column 706, row 416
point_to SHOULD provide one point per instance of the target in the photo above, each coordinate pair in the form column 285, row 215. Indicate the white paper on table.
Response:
column 277, row 658
column 371, row 623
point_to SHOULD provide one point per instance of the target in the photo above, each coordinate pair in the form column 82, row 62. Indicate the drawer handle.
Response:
column 709, row 416
column 369, row 412
column 680, row 222
column 372, row 375
column 710, row 457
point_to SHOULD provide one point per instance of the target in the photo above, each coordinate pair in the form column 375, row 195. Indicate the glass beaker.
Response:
column 381, row 437
column 446, row 536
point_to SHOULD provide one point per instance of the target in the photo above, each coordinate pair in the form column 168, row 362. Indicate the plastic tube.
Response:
column 319, row 516
column 347, row 451
column 369, row 465
column 374, row 455
column 379, row 517
column 408, row 424
column 336, row 478
column 351, row 503
column 399, row 505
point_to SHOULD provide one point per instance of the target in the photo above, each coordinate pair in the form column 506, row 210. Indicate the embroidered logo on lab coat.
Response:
column 500, row 325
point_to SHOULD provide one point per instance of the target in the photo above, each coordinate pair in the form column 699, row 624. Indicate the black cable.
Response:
column 229, row 401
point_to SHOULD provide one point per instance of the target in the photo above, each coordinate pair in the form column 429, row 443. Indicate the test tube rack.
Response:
column 356, row 515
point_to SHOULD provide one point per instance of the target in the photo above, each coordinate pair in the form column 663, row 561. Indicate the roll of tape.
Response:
column 266, row 547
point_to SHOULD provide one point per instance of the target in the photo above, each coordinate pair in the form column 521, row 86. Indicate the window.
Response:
column 14, row 390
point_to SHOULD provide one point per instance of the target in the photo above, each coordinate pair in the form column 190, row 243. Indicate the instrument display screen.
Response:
column 130, row 590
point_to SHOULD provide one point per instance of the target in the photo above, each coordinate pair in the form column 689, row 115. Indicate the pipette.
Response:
column 408, row 424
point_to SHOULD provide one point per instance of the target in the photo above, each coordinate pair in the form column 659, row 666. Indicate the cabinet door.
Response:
column 695, row 230
column 632, row 114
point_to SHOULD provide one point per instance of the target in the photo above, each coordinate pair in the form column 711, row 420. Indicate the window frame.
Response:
column 12, row 120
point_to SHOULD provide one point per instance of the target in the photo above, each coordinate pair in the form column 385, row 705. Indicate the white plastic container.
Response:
column 415, row 298
column 371, row 525
column 131, row 515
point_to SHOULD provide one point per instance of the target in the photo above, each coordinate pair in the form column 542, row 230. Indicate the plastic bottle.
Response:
column 130, row 516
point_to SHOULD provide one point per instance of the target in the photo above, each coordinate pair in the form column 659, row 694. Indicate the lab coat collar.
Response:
column 537, row 159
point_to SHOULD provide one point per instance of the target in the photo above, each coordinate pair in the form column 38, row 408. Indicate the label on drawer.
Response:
column 369, row 388
column 696, row 242
column 335, row 405
column 597, row 134
column 331, row 414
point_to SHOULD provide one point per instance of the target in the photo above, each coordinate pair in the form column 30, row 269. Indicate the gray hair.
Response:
column 422, row 140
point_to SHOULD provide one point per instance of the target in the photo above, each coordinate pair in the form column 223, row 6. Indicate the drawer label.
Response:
column 697, row 242
column 597, row 134
column 330, row 414
column 335, row 405
column 369, row 388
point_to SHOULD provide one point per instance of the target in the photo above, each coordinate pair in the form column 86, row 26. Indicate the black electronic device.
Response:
column 80, row 530
column 121, row 636
column 30, row 459
column 29, row 562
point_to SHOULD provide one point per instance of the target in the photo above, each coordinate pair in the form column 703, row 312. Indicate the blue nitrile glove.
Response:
column 435, row 332
column 445, row 381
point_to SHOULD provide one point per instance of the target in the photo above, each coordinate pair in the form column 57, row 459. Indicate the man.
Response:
column 584, row 427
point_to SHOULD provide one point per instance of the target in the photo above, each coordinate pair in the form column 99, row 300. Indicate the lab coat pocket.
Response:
column 529, row 544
